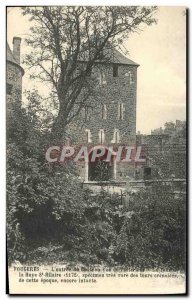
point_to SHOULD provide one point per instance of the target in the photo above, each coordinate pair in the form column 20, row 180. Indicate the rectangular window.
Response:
column 115, row 70
column 88, row 135
column 9, row 88
column 88, row 113
column 116, row 137
column 121, row 110
column 130, row 74
column 101, row 136
column 102, row 78
column 104, row 111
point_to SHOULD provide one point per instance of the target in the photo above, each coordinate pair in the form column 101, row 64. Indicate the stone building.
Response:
column 14, row 74
column 161, row 141
column 110, row 121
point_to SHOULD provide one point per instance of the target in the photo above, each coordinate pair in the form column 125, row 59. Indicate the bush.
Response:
column 58, row 221
column 154, row 236
column 52, row 219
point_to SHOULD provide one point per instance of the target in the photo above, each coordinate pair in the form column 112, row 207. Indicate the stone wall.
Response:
column 14, row 87
column 112, row 92
column 116, row 90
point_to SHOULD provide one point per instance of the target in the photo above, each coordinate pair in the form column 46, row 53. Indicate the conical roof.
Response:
column 10, row 56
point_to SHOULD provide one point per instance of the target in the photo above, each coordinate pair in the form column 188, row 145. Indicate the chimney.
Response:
column 16, row 48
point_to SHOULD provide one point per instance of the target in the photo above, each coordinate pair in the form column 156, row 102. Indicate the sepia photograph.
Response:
column 96, row 150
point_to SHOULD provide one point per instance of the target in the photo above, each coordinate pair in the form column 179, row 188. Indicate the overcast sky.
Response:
column 161, row 52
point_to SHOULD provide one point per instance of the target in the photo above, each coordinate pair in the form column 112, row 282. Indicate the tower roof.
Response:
column 119, row 58
column 11, row 58
column 111, row 56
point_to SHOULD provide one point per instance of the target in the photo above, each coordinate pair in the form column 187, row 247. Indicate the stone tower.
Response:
column 111, row 120
column 14, row 74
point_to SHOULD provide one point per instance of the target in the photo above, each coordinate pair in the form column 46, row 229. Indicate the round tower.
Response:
column 14, row 74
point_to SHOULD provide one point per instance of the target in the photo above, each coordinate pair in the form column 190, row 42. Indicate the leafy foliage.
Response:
column 67, row 41
column 52, row 218
column 171, row 161
column 154, row 237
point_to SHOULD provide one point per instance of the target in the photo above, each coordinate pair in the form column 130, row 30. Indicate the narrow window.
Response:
column 121, row 110
column 115, row 70
column 88, row 136
column 101, row 136
column 86, row 112
column 104, row 111
column 9, row 88
column 116, row 137
column 102, row 78
column 130, row 76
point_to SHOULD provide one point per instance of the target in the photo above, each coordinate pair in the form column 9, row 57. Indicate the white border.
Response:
column 186, row 3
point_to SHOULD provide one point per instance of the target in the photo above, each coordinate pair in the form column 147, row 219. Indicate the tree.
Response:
column 171, row 161
column 169, row 127
column 67, row 42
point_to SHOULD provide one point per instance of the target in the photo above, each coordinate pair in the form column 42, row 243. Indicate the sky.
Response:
column 160, row 50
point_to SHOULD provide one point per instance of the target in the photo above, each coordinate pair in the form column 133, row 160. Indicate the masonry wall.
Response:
column 113, row 91
column 14, row 87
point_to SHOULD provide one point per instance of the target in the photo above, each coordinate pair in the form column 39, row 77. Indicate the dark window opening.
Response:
column 87, row 136
column 147, row 173
column 115, row 70
column 9, row 88
column 116, row 136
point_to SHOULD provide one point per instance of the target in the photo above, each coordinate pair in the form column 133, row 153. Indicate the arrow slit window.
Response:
column 101, row 136
column 121, row 110
column 115, row 70
column 104, row 111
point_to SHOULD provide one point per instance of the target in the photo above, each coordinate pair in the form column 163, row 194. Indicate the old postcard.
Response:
column 96, row 150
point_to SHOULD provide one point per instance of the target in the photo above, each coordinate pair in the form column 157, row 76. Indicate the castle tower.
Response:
column 14, row 74
column 111, row 118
